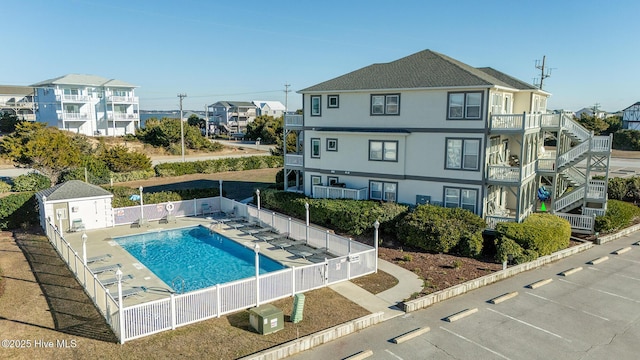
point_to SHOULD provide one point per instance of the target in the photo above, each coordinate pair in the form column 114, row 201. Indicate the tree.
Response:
column 265, row 127
column 120, row 159
column 593, row 123
column 47, row 150
column 195, row 120
column 8, row 123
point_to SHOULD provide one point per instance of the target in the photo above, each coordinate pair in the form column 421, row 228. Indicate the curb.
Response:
column 621, row 233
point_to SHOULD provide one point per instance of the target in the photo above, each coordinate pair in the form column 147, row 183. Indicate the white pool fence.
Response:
column 353, row 260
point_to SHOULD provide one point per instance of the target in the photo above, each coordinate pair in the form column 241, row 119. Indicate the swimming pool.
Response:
column 201, row 258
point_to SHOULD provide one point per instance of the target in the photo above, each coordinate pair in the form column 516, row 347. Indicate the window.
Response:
column 464, row 198
column 465, row 105
column 315, row 147
column 332, row 180
column 383, row 150
column 316, row 180
column 463, row 154
column 383, row 190
column 332, row 144
column 315, row 105
column 385, row 104
column 333, row 101
column 386, row 191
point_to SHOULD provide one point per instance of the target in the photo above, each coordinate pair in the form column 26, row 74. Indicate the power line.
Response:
column 182, row 96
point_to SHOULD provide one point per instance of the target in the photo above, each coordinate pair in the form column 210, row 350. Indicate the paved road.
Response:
column 592, row 314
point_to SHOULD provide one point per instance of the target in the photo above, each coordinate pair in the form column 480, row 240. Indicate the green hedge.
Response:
column 446, row 230
column 31, row 182
column 121, row 195
column 619, row 214
column 539, row 235
column 18, row 210
column 218, row 165
column 132, row 175
column 4, row 187
column 626, row 189
column 353, row 217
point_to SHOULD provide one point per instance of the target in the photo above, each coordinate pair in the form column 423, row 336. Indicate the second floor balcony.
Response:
column 73, row 98
column 293, row 121
column 510, row 174
column 339, row 192
column 293, row 160
column 124, row 117
column 123, row 99
column 74, row 116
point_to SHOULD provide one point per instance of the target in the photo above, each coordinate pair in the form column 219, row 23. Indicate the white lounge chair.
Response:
column 102, row 269
column 114, row 280
column 94, row 259
column 130, row 292
column 305, row 252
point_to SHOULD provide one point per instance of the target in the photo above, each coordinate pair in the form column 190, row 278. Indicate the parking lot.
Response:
column 590, row 314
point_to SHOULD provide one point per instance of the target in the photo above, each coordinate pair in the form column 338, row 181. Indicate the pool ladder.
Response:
column 173, row 284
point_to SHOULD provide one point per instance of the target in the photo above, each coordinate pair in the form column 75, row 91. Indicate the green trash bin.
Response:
column 266, row 319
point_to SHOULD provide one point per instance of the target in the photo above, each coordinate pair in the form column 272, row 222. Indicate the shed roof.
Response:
column 74, row 189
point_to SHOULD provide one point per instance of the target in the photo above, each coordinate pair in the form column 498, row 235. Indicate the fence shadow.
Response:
column 72, row 310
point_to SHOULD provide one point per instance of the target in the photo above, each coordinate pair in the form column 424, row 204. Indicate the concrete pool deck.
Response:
column 100, row 242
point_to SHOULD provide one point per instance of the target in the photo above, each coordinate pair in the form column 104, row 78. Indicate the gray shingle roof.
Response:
column 425, row 69
column 73, row 189
column 84, row 80
column 513, row 82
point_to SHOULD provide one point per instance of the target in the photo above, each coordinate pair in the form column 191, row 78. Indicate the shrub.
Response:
column 121, row 195
column 440, row 229
column 354, row 217
column 539, row 235
column 619, row 215
column 17, row 210
column 617, row 189
column 4, row 187
column 120, row 159
column 31, row 182
column 132, row 175
column 627, row 139
column 509, row 249
column 218, row 165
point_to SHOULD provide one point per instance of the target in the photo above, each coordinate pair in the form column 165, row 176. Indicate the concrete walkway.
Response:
column 386, row 301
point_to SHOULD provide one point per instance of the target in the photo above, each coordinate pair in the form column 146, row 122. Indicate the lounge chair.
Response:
column 256, row 229
column 284, row 243
column 139, row 223
column 305, row 252
column 114, row 280
column 102, row 269
column 94, row 259
column 130, row 292
column 271, row 236
column 167, row 219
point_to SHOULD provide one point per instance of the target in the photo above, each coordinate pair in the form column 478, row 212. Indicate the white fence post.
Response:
column 195, row 207
column 172, row 304
column 293, row 280
column 218, row 292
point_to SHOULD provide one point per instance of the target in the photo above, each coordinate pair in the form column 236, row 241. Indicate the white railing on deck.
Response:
column 593, row 211
column 332, row 192
column 492, row 221
column 293, row 160
column 293, row 120
column 601, row 144
column 550, row 120
column 596, row 190
column 579, row 222
column 545, row 164
column 529, row 170
column 504, row 173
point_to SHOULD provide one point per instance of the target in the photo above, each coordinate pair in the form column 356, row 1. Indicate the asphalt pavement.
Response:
column 593, row 313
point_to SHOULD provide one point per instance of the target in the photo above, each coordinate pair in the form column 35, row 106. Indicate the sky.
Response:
column 248, row 50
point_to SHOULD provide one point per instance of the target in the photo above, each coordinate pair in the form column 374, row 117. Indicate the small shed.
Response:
column 75, row 205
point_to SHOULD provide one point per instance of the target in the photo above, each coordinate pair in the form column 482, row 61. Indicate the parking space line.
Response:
column 392, row 354
column 567, row 306
column 616, row 274
column 475, row 343
column 528, row 324
column 629, row 260
column 603, row 291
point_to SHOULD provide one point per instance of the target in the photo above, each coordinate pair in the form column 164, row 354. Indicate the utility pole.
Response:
column 543, row 75
column 206, row 121
column 182, row 96
column 286, row 97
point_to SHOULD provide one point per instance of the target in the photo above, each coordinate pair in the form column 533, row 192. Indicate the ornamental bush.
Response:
column 619, row 214
column 218, row 165
column 447, row 230
column 539, row 235
column 31, row 182
column 18, row 210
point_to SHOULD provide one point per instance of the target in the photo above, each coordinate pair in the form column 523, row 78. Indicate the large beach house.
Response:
column 88, row 104
column 430, row 129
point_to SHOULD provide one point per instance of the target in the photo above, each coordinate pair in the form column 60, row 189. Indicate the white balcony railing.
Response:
column 528, row 170
column 67, row 116
column 73, row 98
column 123, row 99
column 579, row 223
column 514, row 121
column 593, row 211
column 492, row 221
column 293, row 120
column 293, row 160
column 124, row 116
column 545, row 164
column 504, row 173
column 332, row 192
column 596, row 190
column 601, row 144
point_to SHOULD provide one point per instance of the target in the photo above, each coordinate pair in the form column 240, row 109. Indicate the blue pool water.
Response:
column 202, row 259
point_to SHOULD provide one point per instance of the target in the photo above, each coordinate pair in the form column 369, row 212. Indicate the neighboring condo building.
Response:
column 269, row 108
column 631, row 117
column 18, row 101
column 88, row 104
column 430, row 129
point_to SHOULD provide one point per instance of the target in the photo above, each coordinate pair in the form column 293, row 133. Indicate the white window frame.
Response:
column 385, row 104
column 460, row 101
column 458, row 161
column 385, row 150
column 384, row 190
column 315, row 141
column 455, row 198
column 316, row 110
